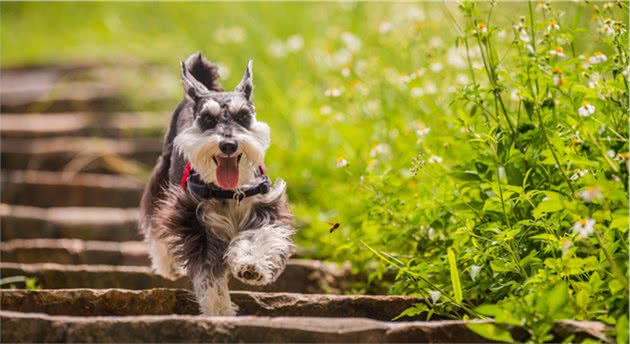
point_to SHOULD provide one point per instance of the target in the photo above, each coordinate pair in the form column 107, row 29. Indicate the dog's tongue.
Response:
column 227, row 172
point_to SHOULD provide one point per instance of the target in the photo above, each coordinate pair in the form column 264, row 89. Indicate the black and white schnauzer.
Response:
column 209, row 209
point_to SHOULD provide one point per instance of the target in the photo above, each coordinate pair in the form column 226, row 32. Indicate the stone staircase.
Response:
column 71, row 181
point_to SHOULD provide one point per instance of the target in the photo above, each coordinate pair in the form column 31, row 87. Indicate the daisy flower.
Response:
column 341, row 162
column 584, row 227
column 598, row 57
column 481, row 28
column 558, row 51
column 422, row 131
column 586, row 109
column 333, row 92
column 434, row 159
column 552, row 25
column 385, row 27
column 591, row 193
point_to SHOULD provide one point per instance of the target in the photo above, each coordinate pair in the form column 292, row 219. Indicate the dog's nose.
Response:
column 228, row 147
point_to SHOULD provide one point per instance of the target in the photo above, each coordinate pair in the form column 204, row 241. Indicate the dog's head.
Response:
column 226, row 143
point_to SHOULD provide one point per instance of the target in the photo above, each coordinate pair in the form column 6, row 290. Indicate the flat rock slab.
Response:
column 84, row 154
column 108, row 224
column 300, row 276
column 55, row 189
column 119, row 302
column 74, row 251
column 70, row 96
column 138, row 124
column 81, row 87
column 33, row 327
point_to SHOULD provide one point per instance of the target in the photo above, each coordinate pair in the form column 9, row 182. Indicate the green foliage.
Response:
column 13, row 281
column 475, row 154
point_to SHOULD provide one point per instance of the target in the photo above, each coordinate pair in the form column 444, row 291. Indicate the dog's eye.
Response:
column 243, row 118
column 207, row 121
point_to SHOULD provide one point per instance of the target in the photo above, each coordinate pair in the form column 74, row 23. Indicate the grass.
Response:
column 456, row 148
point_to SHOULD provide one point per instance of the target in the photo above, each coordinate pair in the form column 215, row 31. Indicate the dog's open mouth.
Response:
column 227, row 171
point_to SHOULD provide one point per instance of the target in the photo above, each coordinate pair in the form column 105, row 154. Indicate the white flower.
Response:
column 523, row 35
column 584, row 227
column 515, row 96
column 578, row 174
column 590, row 194
column 342, row 57
column 435, row 42
column 598, row 57
column 234, row 34
column 385, row 27
column 345, row 72
column 277, row 49
column 462, row 79
column 333, row 92
column 353, row 43
column 325, row 110
column 434, row 159
column 417, row 92
column 456, row 57
column 436, row 67
column 435, row 295
column 430, row 88
column 558, row 51
column 422, row 131
column 224, row 70
column 586, row 109
column 415, row 14
column 341, row 162
column 552, row 25
column 380, row 149
column 474, row 271
column 481, row 28
column 295, row 43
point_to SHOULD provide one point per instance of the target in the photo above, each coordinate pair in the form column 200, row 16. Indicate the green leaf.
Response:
column 621, row 223
column 457, row 286
column 622, row 329
column 413, row 311
column 491, row 331
column 548, row 206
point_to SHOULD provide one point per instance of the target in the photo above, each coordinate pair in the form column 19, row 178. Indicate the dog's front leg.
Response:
column 212, row 294
column 258, row 256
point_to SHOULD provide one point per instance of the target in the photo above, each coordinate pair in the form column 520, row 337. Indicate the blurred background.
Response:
column 470, row 153
column 338, row 83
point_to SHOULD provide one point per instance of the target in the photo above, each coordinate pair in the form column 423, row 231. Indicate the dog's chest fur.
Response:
column 225, row 218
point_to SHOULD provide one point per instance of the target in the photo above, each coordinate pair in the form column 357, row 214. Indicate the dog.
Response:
column 209, row 210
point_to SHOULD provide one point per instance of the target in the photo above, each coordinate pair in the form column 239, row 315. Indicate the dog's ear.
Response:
column 246, row 86
column 193, row 89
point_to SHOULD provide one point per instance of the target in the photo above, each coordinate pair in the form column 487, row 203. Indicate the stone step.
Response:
column 76, row 153
column 74, row 251
column 120, row 302
column 138, row 124
column 300, row 276
column 82, row 252
column 56, row 189
column 77, row 87
column 70, row 96
column 105, row 224
column 33, row 327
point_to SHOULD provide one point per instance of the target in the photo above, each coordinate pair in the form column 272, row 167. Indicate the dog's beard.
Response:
column 202, row 150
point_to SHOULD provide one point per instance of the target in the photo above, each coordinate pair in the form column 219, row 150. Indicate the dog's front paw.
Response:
column 253, row 273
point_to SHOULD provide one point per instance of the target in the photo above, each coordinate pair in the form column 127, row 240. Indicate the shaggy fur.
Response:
column 211, row 239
